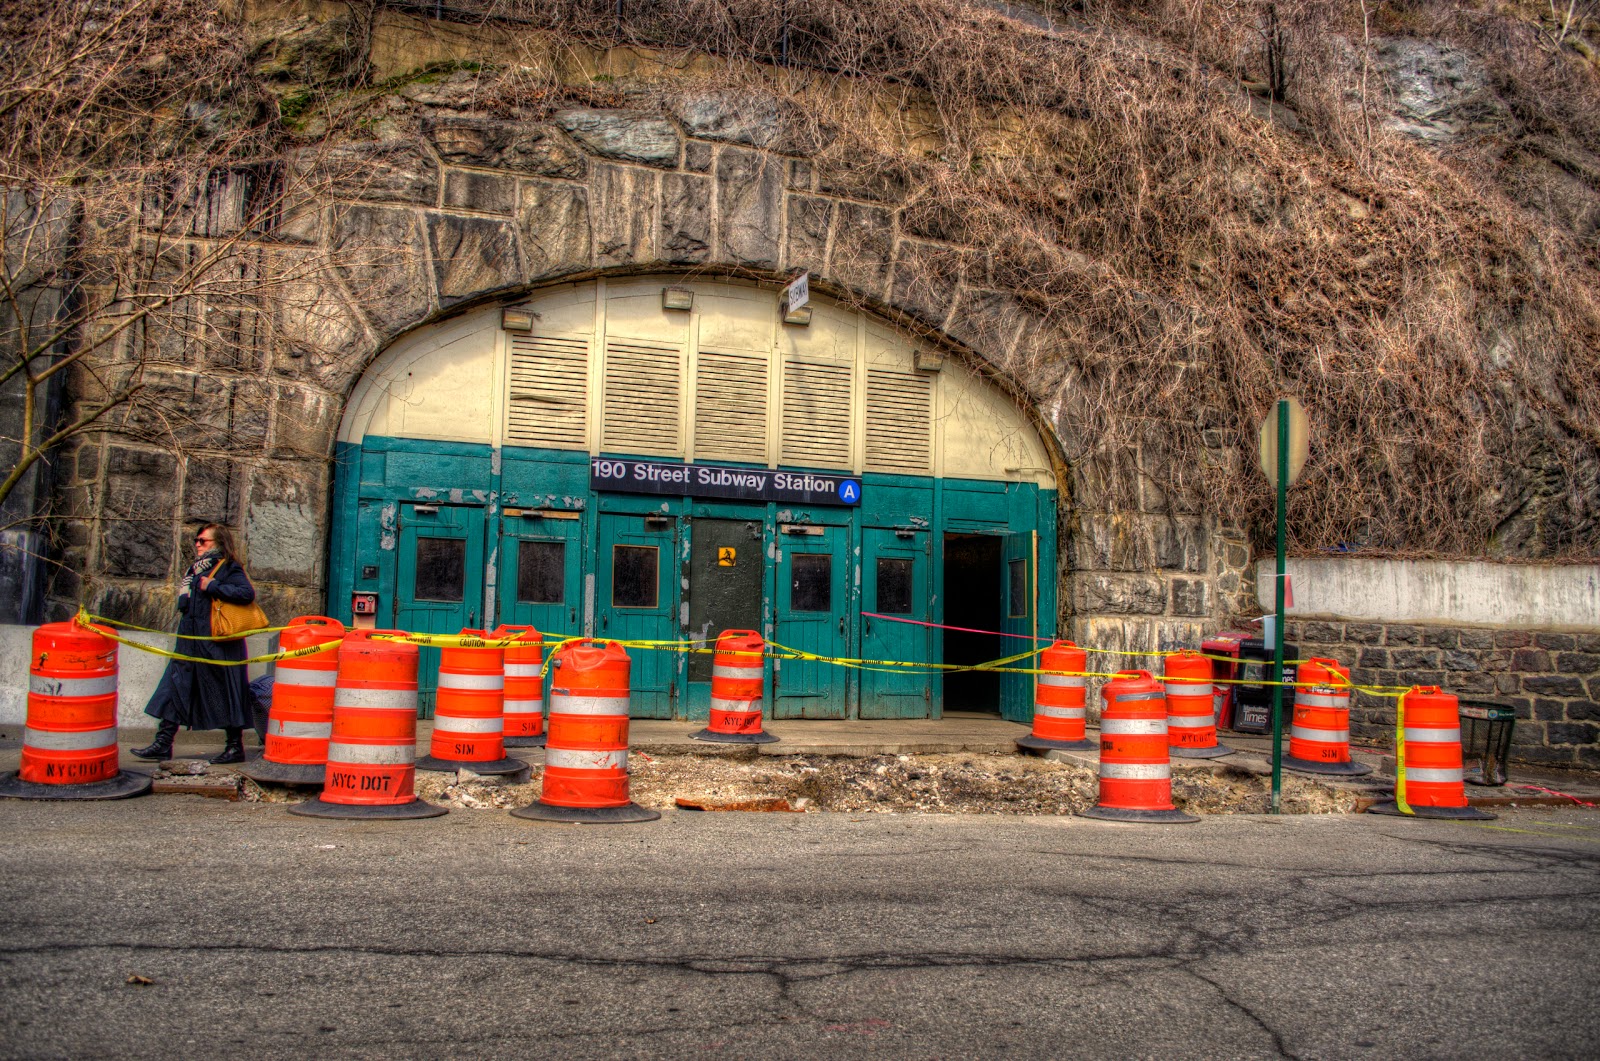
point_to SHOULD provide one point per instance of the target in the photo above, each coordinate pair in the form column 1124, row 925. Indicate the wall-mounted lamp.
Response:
column 517, row 320
column 800, row 317
column 928, row 360
column 677, row 298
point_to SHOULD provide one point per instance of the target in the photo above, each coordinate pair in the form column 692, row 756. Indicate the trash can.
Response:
column 1486, row 727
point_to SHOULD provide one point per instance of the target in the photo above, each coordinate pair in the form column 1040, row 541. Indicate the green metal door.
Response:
column 727, row 565
column 540, row 574
column 637, row 600
column 1022, row 618
column 813, row 615
column 894, row 586
column 439, row 588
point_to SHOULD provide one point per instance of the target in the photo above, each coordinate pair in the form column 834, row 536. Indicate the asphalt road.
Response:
column 478, row 935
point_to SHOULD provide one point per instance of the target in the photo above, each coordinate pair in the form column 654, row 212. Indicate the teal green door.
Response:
column 894, row 586
column 637, row 600
column 813, row 615
column 439, row 584
column 727, row 569
column 540, row 574
column 1021, row 617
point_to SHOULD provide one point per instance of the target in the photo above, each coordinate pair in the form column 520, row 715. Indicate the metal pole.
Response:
column 1278, row 579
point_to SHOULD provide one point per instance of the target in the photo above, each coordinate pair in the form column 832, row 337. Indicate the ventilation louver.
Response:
column 549, row 403
column 899, row 421
column 730, row 407
column 642, row 398
column 816, row 415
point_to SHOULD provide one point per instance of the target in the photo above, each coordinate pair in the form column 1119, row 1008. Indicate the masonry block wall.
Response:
column 1551, row 678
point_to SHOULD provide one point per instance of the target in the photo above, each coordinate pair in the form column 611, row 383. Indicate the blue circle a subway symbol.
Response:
column 849, row 491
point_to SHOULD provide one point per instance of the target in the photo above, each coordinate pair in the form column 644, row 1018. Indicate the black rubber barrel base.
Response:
column 1311, row 766
column 285, row 773
column 543, row 812
column 489, row 768
column 1216, row 751
column 525, row 742
column 1041, row 744
column 733, row 738
column 1142, row 817
column 1455, row 814
column 321, row 808
column 127, row 783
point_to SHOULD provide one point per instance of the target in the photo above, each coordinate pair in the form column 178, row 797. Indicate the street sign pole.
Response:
column 1277, row 626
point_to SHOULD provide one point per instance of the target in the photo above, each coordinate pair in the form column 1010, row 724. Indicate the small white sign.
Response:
column 797, row 293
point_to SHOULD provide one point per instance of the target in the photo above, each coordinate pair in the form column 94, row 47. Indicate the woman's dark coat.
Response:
column 200, row 695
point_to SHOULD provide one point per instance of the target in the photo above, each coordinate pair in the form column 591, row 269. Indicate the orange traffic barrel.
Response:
column 1319, row 733
column 301, row 719
column 524, row 690
column 69, row 742
column 373, row 747
column 737, row 672
column 586, row 750
column 1191, row 711
column 1135, row 771
column 468, row 713
column 1059, row 712
column 1428, row 772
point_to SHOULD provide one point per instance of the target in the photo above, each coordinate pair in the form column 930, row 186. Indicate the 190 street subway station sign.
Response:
column 718, row 480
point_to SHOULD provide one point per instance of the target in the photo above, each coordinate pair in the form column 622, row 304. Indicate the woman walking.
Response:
column 205, row 695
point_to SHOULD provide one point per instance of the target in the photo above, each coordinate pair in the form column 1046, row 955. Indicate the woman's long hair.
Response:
column 222, row 541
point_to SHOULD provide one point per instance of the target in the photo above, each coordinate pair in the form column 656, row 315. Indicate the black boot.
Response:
column 232, row 749
column 161, row 747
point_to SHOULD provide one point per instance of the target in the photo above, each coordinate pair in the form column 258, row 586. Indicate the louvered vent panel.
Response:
column 899, row 421
column 641, row 406
column 816, row 415
column 549, row 403
column 730, row 407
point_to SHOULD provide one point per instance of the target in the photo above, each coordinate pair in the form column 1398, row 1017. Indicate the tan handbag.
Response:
column 233, row 621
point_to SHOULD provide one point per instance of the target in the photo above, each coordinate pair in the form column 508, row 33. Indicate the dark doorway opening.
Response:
column 972, row 598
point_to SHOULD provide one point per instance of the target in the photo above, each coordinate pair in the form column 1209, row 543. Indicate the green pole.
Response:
column 1278, row 580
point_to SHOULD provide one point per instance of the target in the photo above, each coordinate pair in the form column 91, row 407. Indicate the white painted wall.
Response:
column 1467, row 593
column 137, row 673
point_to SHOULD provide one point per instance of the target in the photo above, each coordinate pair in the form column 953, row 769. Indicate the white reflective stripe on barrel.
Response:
column 1305, row 699
column 308, row 730
column 1134, row 726
column 722, row 703
column 311, row 679
column 1192, row 721
column 1182, row 688
column 1051, row 711
column 1063, row 681
column 372, row 754
column 524, row 707
column 443, row 723
column 578, row 759
column 1329, row 736
column 1431, row 776
column 1434, row 736
column 524, row 670
column 68, row 740
column 453, row 680
column 47, row 686
column 1135, row 771
column 1128, row 698
column 562, row 704
column 751, row 673
column 396, row 699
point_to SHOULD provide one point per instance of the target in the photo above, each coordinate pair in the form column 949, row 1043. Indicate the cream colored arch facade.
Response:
column 607, row 369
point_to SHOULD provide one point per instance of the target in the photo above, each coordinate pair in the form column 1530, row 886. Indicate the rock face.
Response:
column 450, row 204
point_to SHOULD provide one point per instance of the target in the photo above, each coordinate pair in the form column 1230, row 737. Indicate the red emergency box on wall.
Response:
column 1224, row 644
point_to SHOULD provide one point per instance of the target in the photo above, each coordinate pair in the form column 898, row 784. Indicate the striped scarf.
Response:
column 206, row 562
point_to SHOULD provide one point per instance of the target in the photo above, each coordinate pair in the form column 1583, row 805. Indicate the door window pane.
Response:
column 894, row 585
column 634, row 576
column 1019, row 588
column 812, row 590
column 541, row 572
column 441, row 569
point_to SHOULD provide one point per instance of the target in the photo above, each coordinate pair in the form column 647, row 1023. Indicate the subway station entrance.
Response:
column 594, row 463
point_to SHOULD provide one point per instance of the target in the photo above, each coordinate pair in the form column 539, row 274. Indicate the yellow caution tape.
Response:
column 1400, row 758
column 273, row 657
column 84, row 618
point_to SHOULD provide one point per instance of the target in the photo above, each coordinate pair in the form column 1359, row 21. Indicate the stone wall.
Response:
column 450, row 206
column 1551, row 678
